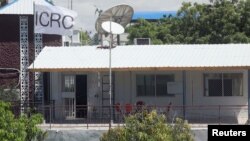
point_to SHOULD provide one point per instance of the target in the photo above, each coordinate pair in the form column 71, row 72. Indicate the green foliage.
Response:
column 145, row 126
column 23, row 128
column 181, row 131
column 221, row 21
column 85, row 38
column 10, row 128
column 3, row 2
column 33, row 132
column 117, row 134
column 94, row 39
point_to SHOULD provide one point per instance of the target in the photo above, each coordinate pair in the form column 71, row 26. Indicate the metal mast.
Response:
column 24, row 62
column 38, row 75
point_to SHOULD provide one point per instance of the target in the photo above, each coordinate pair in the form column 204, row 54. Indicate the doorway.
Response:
column 81, row 96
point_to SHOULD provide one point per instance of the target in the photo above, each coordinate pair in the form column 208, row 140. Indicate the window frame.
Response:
column 206, row 85
column 155, row 84
column 63, row 83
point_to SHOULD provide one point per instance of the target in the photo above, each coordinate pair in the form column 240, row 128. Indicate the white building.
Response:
column 74, row 40
column 204, row 83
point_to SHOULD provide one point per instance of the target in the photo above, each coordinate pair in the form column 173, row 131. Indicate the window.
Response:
column 66, row 43
column 153, row 85
column 223, row 84
column 68, row 83
column 145, row 85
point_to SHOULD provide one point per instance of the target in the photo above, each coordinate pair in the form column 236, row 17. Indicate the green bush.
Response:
column 23, row 128
column 149, row 126
column 117, row 134
column 181, row 131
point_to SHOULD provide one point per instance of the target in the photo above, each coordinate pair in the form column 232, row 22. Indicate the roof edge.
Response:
column 10, row 4
column 212, row 68
column 7, row 5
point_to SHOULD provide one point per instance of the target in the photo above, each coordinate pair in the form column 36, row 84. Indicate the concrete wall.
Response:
column 93, row 92
column 198, row 105
column 126, row 90
column 201, row 105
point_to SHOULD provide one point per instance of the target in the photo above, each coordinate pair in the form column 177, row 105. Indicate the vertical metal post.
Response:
column 219, row 114
column 110, row 77
column 38, row 76
column 248, row 74
column 24, row 61
column 184, row 93
column 50, row 115
column 71, row 4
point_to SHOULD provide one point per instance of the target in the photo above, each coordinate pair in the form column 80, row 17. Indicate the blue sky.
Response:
column 86, row 8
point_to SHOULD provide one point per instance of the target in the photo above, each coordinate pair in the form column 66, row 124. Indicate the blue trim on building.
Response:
column 153, row 15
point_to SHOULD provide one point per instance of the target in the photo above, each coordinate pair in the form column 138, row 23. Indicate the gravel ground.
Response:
column 94, row 135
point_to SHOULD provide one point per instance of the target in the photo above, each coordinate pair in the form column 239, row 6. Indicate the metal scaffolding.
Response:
column 24, row 61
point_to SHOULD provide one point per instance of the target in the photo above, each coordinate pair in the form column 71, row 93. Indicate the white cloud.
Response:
column 86, row 8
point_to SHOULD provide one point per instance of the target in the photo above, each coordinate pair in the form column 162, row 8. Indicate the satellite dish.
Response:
column 121, row 14
column 112, row 27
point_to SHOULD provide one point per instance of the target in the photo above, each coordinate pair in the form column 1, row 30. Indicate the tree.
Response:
column 23, row 128
column 85, row 38
column 95, row 39
column 143, row 29
column 10, row 128
column 3, row 2
column 149, row 126
column 221, row 21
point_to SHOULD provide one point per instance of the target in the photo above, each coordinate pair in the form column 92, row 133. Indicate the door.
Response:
column 69, row 104
column 81, row 96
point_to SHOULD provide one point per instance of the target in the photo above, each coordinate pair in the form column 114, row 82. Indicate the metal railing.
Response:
column 91, row 115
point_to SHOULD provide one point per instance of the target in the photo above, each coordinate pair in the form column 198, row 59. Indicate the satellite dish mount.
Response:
column 121, row 14
column 113, row 21
column 111, row 28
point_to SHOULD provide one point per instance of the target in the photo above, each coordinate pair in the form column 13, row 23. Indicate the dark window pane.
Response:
column 149, row 82
column 140, row 85
column 145, row 85
column 215, row 87
column 232, row 84
column 235, row 86
column 161, row 84
column 228, row 87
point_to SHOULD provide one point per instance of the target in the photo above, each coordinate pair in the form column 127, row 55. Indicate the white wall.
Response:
column 126, row 89
column 56, row 91
column 210, row 105
column 197, row 104
column 195, row 91
column 125, row 92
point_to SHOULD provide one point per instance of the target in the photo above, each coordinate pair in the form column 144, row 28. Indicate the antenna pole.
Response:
column 71, row 4
column 71, row 37
column 110, row 77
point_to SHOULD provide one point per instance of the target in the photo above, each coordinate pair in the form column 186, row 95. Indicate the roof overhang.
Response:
column 21, row 7
column 144, row 58
column 140, row 69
